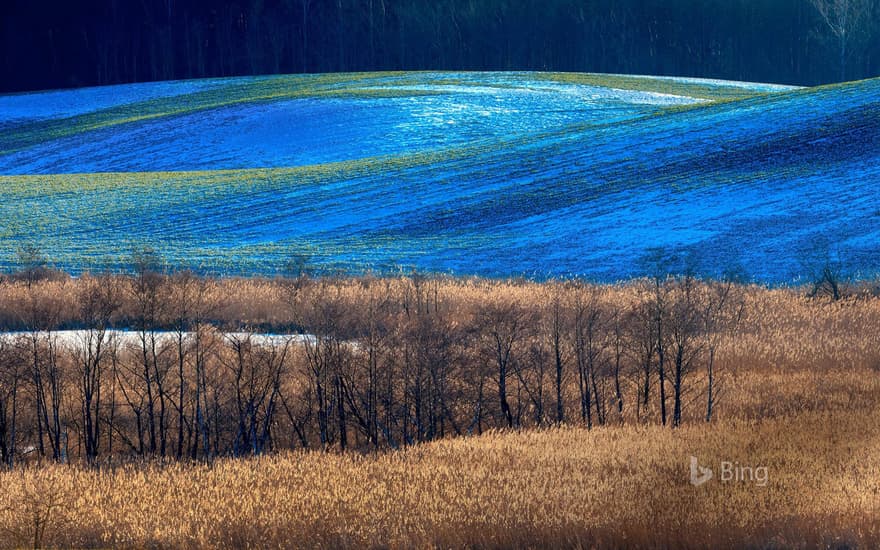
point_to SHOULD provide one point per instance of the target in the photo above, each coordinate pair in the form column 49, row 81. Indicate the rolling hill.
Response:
column 497, row 174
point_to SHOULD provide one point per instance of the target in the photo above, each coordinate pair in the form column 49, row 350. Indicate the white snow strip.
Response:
column 72, row 338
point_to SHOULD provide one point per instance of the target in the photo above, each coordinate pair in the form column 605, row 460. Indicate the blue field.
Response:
column 497, row 174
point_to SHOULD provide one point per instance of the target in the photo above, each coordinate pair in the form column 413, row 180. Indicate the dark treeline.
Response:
column 93, row 42
column 382, row 363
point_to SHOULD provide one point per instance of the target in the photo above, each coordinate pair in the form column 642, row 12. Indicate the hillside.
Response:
column 478, row 173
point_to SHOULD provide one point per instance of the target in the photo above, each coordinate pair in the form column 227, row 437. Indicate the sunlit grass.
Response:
column 561, row 487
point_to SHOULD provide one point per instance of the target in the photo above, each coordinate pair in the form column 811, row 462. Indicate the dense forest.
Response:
column 49, row 44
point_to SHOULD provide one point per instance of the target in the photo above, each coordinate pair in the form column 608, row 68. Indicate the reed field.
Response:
column 796, row 384
column 623, row 486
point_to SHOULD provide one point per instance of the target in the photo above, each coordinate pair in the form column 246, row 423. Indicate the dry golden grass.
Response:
column 802, row 398
column 611, row 487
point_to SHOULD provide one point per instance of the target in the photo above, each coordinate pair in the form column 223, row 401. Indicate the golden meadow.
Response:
column 435, row 412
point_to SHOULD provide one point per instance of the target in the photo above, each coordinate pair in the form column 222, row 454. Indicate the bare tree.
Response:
column 11, row 378
column 182, row 303
column 257, row 370
column 532, row 377
column 40, row 314
column 305, row 6
column 98, row 299
column 829, row 282
column 661, row 286
column 504, row 326
column 685, row 346
column 320, row 312
column 362, row 381
column 722, row 311
column 202, row 346
column 589, row 348
column 617, row 346
column 642, row 347
column 845, row 19
column 556, row 327
column 147, row 294
column 205, row 342
column 432, row 340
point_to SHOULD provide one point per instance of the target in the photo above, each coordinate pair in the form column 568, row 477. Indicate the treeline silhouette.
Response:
column 93, row 42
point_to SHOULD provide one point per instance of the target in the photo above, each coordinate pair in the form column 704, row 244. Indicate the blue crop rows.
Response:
column 496, row 174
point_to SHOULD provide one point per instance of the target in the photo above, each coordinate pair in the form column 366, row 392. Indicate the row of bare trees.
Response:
column 149, row 371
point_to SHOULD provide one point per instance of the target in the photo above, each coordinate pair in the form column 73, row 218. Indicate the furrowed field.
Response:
column 412, row 369
column 494, row 174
